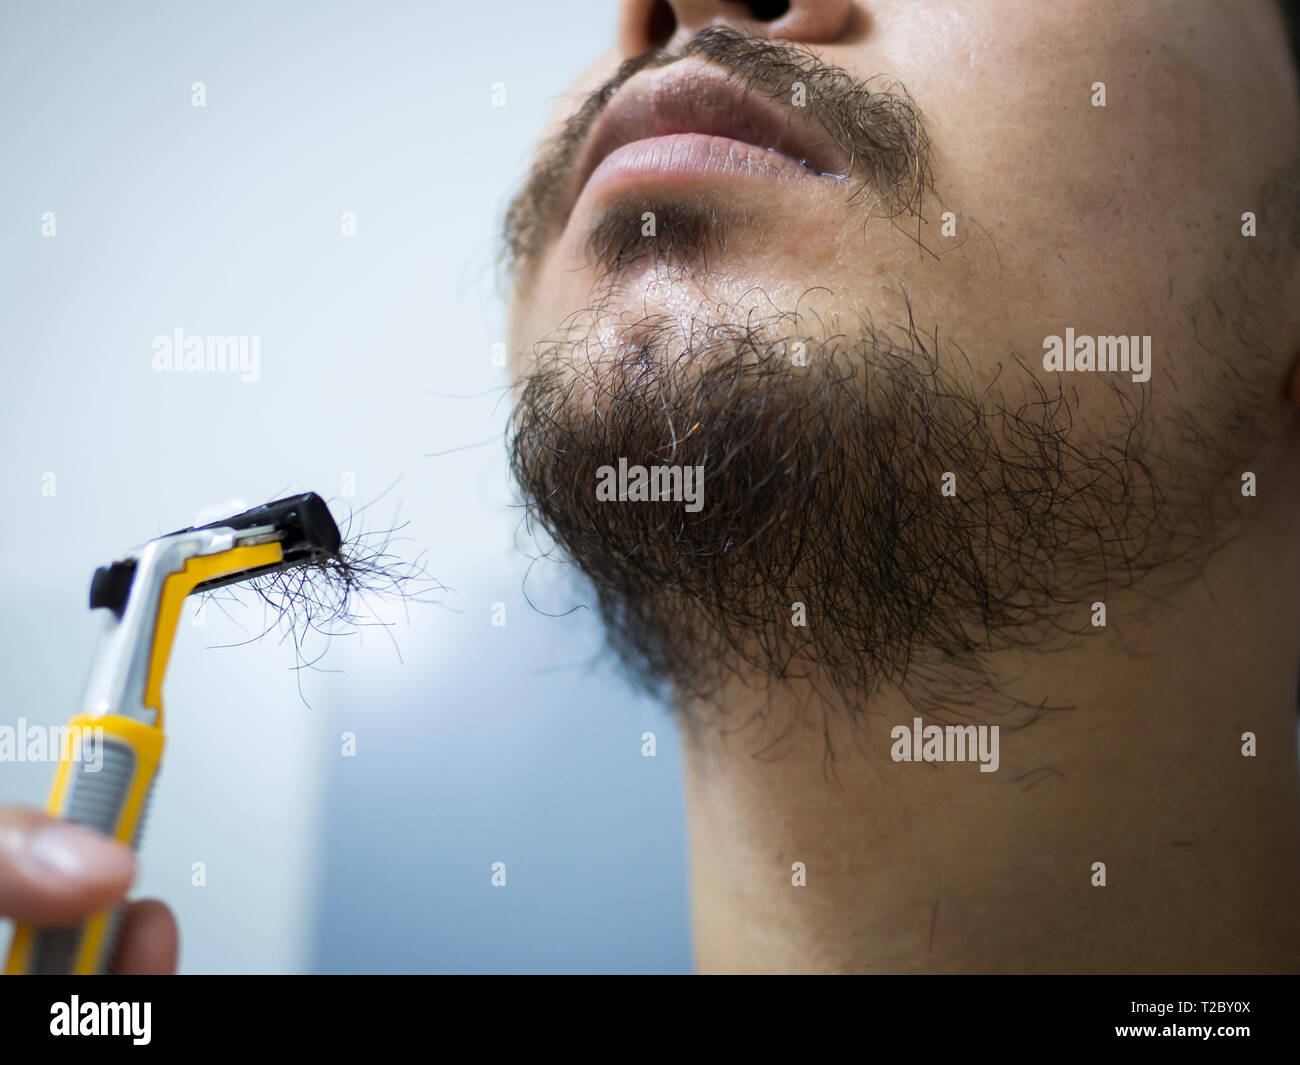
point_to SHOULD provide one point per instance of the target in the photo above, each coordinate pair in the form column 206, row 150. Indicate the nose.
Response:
column 646, row 24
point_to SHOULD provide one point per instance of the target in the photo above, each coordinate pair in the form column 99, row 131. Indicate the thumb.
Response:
column 55, row 872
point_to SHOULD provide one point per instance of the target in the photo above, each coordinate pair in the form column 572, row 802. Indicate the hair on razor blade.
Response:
column 339, row 595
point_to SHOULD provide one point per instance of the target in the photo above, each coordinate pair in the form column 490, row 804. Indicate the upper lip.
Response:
column 690, row 96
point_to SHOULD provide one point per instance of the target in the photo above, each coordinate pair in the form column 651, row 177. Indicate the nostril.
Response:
column 661, row 24
column 768, row 10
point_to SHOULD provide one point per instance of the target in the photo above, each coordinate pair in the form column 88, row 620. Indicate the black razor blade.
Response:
column 302, row 524
column 305, row 527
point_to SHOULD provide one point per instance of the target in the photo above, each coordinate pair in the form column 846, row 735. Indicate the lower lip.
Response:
column 681, row 159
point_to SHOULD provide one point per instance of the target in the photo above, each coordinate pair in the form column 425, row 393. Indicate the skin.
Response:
column 1122, row 219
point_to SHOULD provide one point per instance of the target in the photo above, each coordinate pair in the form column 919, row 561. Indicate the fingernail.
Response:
column 78, row 853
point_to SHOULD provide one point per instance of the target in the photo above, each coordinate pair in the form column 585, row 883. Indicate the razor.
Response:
column 141, row 597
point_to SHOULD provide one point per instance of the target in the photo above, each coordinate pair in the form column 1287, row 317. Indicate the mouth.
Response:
column 690, row 122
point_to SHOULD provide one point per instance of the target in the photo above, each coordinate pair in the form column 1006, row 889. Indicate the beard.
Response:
column 873, row 513
column 876, row 511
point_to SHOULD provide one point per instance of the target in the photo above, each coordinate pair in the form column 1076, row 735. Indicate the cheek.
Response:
column 540, row 306
column 1065, row 211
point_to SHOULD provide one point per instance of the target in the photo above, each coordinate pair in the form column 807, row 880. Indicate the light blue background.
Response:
column 475, row 744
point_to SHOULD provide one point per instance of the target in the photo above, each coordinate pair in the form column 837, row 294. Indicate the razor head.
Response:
column 301, row 524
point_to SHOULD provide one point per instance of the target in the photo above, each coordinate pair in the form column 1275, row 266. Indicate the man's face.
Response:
column 828, row 276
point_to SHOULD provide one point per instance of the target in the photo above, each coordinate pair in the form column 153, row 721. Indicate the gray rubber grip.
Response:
column 95, row 799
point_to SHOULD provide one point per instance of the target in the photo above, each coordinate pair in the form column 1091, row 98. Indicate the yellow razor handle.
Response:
column 107, row 788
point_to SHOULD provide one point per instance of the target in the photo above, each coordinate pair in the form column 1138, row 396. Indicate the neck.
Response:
column 938, row 867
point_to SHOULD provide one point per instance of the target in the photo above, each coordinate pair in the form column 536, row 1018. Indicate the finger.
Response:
column 149, row 942
column 55, row 872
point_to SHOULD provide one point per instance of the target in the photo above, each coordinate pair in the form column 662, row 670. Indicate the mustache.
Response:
column 874, row 121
